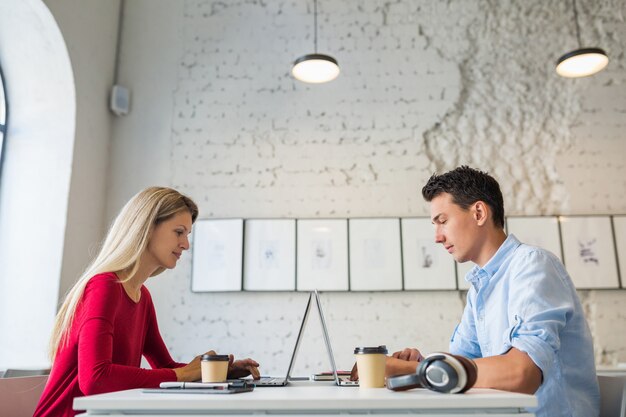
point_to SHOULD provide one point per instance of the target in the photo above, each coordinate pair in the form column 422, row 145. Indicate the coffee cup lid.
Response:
column 375, row 349
column 220, row 358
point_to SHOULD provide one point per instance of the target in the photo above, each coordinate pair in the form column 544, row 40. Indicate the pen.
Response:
column 194, row 385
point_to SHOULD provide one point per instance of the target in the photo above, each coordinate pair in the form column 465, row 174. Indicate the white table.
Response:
column 312, row 399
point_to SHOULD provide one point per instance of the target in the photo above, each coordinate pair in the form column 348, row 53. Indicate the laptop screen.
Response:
column 329, row 348
column 305, row 318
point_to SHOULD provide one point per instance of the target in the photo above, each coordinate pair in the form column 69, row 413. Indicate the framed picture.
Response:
column 269, row 255
column 375, row 257
column 619, row 227
column 217, row 255
column 322, row 260
column 588, row 251
column 537, row 231
column 461, row 271
column 427, row 265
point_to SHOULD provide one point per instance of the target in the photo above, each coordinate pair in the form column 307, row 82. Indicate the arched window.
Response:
column 3, row 116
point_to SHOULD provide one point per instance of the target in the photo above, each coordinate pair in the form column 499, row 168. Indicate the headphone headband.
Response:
column 439, row 371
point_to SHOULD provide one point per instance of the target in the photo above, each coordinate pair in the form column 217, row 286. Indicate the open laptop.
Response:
column 269, row 381
column 342, row 382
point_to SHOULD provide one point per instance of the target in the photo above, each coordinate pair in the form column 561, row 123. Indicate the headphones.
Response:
column 439, row 371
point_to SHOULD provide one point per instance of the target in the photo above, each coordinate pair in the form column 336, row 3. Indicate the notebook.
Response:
column 269, row 381
column 342, row 382
column 201, row 388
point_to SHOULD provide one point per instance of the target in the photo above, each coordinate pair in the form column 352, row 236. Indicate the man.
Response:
column 523, row 323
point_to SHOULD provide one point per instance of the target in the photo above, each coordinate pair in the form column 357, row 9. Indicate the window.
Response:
column 3, row 116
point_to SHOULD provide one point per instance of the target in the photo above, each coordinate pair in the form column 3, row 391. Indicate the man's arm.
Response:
column 513, row 371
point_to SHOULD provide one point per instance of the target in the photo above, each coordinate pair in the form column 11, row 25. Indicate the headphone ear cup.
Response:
column 421, row 373
column 471, row 371
column 441, row 372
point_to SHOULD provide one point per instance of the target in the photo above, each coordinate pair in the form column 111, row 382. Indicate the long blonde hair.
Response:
column 122, row 248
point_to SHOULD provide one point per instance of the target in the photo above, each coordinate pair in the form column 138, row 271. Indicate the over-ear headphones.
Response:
column 439, row 371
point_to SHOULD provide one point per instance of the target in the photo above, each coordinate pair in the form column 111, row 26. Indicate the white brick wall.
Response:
column 425, row 86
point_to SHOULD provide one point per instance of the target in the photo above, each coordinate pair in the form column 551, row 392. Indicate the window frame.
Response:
column 3, row 125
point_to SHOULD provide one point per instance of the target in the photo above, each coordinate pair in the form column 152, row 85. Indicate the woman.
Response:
column 107, row 321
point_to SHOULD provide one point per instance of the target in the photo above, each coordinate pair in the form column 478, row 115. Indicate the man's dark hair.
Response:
column 467, row 186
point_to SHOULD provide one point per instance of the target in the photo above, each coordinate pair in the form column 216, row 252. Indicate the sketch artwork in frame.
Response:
column 217, row 255
column 461, row 271
column 375, row 255
column 269, row 255
column 537, row 231
column 427, row 265
column 322, row 260
column 619, row 227
column 588, row 251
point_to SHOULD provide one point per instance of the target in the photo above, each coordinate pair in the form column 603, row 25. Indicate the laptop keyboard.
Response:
column 269, row 381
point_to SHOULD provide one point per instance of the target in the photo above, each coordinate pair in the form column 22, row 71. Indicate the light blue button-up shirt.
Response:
column 524, row 298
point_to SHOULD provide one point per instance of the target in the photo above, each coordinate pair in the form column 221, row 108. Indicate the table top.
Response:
column 310, row 396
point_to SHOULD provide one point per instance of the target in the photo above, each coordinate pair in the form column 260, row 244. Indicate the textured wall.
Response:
column 425, row 86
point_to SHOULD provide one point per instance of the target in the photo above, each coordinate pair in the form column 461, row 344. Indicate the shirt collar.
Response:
column 477, row 273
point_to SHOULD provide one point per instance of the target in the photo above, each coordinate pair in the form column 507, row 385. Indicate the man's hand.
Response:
column 242, row 367
column 408, row 354
column 400, row 363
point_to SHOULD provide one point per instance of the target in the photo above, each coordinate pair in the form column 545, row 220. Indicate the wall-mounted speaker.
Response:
column 120, row 100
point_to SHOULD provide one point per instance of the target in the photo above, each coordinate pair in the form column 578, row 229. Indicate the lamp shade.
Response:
column 315, row 68
column 582, row 62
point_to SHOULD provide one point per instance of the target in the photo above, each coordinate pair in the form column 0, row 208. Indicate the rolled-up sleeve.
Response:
column 540, row 304
column 464, row 340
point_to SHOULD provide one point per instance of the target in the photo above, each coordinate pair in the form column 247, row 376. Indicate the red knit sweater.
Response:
column 109, row 335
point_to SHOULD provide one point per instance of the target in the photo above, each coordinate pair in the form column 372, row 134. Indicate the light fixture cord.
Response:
column 315, row 25
column 577, row 26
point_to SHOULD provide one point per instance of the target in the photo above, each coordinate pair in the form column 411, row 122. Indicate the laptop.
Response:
column 269, row 381
column 342, row 382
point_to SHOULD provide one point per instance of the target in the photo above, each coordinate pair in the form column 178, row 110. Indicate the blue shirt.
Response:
column 524, row 298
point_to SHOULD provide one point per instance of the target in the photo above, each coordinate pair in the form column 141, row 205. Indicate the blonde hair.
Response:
column 122, row 248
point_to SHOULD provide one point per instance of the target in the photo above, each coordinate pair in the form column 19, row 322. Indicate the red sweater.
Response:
column 109, row 335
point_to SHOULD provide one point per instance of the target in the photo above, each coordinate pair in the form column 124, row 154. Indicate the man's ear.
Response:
column 481, row 212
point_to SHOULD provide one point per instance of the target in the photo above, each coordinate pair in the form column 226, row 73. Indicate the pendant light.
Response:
column 315, row 68
column 582, row 61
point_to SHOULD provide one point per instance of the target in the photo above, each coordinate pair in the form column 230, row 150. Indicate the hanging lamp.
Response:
column 315, row 68
column 581, row 62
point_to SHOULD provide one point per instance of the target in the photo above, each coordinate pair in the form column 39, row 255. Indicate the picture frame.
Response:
column 217, row 255
column 322, row 255
column 619, row 230
column 269, row 255
column 589, row 251
column 461, row 271
column 540, row 231
column 375, row 254
column 426, row 264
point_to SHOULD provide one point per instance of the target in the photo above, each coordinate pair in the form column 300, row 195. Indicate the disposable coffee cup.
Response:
column 370, row 362
column 214, row 368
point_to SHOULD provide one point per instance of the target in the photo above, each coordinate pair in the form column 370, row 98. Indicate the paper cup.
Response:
column 370, row 362
column 214, row 368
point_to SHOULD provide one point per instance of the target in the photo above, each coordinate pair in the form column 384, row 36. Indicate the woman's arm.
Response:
column 154, row 348
column 96, row 371
column 104, row 300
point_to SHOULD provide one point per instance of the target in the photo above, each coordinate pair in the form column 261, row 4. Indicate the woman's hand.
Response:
column 242, row 367
column 191, row 372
